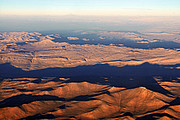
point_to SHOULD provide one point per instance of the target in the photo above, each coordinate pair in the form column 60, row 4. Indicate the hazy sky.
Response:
column 128, row 15
column 91, row 7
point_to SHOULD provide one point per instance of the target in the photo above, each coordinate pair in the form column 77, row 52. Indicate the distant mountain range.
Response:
column 32, row 51
column 88, row 75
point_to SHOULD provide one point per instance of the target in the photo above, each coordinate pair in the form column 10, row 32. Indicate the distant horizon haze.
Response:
column 114, row 15
column 74, row 22
column 91, row 7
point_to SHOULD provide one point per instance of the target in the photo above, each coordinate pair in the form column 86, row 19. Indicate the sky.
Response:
column 90, row 7
column 114, row 15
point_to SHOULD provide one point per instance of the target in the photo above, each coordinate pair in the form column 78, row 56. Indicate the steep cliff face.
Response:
column 61, row 98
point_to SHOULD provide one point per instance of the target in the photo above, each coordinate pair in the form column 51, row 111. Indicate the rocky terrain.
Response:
column 45, row 53
column 144, row 37
column 48, row 77
column 69, row 98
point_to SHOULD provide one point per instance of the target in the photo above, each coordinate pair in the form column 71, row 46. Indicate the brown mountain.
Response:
column 61, row 98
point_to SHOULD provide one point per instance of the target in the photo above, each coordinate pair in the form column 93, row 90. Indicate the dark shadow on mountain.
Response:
column 125, row 42
column 155, row 116
column 147, row 82
column 175, row 101
column 48, row 116
column 87, row 97
column 39, row 116
column 26, row 90
column 143, row 70
column 18, row 100
column 25, row 99
column 127, row 76
column 125, row 114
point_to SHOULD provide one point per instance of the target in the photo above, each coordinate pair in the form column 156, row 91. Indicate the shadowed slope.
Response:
column 81, row 100
column 25, row 99
column 143, row 70
column 128, row 76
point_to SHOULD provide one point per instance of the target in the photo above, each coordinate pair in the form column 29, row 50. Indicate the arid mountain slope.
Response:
column 48, row 54
column 61, row 98
column 99, row 81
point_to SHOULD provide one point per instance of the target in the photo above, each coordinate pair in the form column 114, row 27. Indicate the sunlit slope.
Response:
column 61, row 98
column 44, row 53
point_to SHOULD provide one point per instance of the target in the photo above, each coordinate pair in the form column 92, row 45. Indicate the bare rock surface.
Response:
column 129, row 88
column 54, row 98
column 45, row 53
